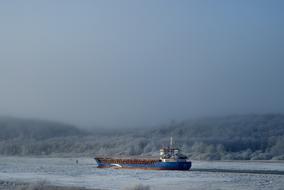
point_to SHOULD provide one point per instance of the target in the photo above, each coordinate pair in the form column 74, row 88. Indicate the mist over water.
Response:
column 82, row 79
column 140, row 63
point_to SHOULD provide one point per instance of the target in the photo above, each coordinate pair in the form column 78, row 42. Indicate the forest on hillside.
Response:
column 236, row 137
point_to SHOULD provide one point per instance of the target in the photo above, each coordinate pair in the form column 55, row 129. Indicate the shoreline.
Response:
column 43, row 185
column 140, row 157
column 40, row 185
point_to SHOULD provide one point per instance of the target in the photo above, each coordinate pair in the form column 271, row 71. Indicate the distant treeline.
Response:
column 241, row 137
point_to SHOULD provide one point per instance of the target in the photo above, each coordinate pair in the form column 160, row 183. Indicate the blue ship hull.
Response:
column 153, row 165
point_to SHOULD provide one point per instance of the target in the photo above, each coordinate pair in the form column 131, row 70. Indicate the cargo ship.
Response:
column 170, row 159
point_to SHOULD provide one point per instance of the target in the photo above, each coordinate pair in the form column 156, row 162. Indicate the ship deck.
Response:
column 128, row 160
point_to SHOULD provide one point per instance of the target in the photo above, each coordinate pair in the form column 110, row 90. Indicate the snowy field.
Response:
column 65, row 172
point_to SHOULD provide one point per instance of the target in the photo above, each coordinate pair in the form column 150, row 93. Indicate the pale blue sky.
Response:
column 140, row 63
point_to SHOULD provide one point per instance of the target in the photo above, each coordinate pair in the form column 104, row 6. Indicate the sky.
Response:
column 112, row 63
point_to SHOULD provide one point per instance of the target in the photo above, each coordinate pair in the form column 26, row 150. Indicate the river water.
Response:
column 65, row 172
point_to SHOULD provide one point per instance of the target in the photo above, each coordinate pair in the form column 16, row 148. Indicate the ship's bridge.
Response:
column 171, row 154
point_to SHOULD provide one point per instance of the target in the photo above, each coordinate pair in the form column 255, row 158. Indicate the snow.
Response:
column 65, row 171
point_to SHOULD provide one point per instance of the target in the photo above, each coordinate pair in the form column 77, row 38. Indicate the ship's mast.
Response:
column 171, row 142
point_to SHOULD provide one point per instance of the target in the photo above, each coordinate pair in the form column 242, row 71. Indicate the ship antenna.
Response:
column 171, row 143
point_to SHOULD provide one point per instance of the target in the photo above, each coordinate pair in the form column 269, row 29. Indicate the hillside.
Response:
column 12, row 128
column 241, row 137
column 231, row 137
